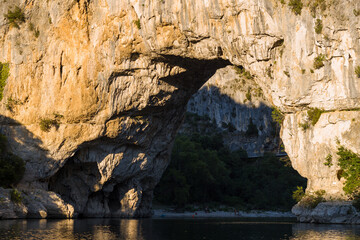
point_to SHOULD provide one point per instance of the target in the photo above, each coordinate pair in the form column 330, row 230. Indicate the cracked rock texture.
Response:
column 116, row 75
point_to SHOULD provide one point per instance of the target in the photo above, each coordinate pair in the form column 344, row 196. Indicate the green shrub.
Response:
column 316, row 4
column 4, row 74
column 318, row 26
column 296, row 6
column 312, row 200
column 10, row 103
column 277, row 116
column 46, row 124
column 319, row 61
column 243, row 73
column 248, row 95
column 349, row 162
column 12, row 167
column 328, row 160
column 287, row 73
column 356, row 12
column 138, row 24
column 15, row 17
column 298, row 194
column 15, row 196
column 314, row 114
column 357, row 71
column 304, row 126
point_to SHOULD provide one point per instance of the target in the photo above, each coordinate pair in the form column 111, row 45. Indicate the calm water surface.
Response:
column 168, row 229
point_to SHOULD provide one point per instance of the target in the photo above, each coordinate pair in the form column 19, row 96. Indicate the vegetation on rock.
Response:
column 349, row 163
column 277, row 116
column 138, row 24
column 310, row 200
column 4, row 74
column 296, row 6
column 319, row 61
column 46, row 123
column 243, row 73
column 15, row 17
column 12, row 167
column 314, row 115
column 328, row 160
column 357, row 71
column 15, row 196
column 315, row 5
column 318, row 26
column 203, row 171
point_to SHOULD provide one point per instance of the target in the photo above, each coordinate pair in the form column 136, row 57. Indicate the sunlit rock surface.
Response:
column 117, row 75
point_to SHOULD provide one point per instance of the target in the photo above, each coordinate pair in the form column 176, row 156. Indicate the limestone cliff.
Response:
column 114, row 77
column 236, row 105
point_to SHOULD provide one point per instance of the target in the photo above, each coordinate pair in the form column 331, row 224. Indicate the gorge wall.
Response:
column 114, row 77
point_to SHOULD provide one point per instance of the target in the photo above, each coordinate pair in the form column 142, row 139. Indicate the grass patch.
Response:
column 15, row 17
column 4, row 74
column 319, row 61
column 296, row 6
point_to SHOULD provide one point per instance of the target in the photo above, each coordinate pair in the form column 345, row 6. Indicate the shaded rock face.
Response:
column 236, row 105
column 328, row 212
column 116, row 77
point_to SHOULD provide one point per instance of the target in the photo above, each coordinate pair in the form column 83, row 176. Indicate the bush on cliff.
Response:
column 349, row 163
column 12, row 167
column 4, row 74
column 296, row 6
column 15, row 17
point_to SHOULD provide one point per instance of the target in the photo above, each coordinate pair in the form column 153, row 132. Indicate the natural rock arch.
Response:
column 119, row 74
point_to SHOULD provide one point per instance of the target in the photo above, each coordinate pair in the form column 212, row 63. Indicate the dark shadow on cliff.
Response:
column 196, row 73
column 21, row 142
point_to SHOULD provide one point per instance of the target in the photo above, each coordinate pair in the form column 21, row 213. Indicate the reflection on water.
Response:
column 325, row 231
column 165, row 229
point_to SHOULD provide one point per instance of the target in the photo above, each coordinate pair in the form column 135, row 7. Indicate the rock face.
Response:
column 233, row 101
column 114, row 78
column 328, row 212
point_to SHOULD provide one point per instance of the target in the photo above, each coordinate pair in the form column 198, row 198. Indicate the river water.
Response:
column 172, row 229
